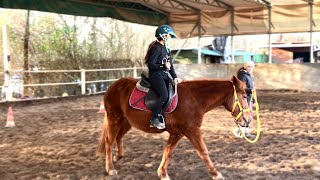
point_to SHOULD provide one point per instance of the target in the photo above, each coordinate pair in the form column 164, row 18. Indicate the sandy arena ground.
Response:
column 58, row 139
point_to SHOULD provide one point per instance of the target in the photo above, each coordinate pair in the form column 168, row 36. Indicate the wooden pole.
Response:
column 83, row 81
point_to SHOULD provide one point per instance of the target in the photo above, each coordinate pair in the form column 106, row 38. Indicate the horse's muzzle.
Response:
column 246, row 122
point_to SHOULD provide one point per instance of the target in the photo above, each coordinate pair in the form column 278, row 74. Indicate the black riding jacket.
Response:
column 157, row 60
column 246, row 77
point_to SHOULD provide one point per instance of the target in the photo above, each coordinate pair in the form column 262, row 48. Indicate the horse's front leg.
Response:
column 194, row 135
column 167, row 153
column 125, row 127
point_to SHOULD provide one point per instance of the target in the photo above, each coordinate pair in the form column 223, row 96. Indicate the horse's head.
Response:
column 237, row 103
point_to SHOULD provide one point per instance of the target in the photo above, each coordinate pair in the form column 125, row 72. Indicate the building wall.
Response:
column 185, row 57
column 281, row 56
column 301, row 77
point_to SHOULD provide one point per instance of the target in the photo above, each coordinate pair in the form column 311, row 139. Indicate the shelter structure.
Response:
column 192, row 18
column 209, row 56
column 294, row 52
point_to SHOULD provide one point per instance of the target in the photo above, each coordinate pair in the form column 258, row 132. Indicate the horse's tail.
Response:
column 101, row 149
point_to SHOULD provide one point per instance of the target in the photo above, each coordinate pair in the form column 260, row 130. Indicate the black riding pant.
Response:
column 160, row 85
column 249, row 100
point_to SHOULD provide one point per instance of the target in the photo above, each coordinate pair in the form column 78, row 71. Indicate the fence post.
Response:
column 135, row 72
column 6, row 64
column 83, row 81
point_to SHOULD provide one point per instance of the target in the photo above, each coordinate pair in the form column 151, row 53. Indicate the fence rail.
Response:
column 16, row 85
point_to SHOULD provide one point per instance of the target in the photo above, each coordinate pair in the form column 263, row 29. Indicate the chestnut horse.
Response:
column 195, row 99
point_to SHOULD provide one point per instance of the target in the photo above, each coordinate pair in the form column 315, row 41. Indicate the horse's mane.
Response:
column 202, row 83
column 213, row 84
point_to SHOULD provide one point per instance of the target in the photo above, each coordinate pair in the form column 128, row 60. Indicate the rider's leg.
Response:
column 159, row 86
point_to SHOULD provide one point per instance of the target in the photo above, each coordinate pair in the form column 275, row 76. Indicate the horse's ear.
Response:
column 235, row 81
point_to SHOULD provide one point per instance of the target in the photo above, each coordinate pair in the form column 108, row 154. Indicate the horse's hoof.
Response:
column 117, row 158
column 165, row 178
column 218, row 177
column 112, row 172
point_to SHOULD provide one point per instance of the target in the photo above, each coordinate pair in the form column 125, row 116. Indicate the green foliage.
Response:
column 68, row 42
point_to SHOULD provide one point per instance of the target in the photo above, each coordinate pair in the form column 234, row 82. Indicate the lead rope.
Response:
column 258, row 121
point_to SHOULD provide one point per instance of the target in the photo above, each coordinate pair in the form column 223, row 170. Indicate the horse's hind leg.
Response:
column 125, row 127
column 113, row 127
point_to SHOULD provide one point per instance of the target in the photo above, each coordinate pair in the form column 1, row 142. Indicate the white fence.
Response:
column 8, row 89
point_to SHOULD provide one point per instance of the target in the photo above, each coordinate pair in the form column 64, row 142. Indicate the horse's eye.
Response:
column 244, row 97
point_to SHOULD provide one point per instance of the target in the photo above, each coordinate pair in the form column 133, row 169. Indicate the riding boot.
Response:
column 163, row 116
column 247, row 133
column 157, row 121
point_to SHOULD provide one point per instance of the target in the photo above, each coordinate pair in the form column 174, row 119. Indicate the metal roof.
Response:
column 194, row 17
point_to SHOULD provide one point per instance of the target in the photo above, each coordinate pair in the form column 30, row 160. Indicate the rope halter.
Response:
column 236, row 103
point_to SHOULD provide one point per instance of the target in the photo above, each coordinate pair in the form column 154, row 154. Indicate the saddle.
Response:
column 151, row 97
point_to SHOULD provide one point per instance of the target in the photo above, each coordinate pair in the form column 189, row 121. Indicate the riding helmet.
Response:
column 165, row 29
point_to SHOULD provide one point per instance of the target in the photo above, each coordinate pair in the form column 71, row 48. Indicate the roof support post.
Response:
column 232, row 49
column 270, row 49
column 311, row 31
column 232, row 36
column 269, row 6
column 269, row 27
column 311, row 47
column 185, row 42
column 199, row 50
column 199, row 37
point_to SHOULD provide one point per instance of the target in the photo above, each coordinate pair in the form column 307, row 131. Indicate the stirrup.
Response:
column 156, row 122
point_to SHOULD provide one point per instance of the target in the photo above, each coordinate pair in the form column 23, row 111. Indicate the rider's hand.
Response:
column 168, row 65
column 178, row 80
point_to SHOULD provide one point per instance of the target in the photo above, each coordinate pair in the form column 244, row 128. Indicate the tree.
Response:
column 26, row 48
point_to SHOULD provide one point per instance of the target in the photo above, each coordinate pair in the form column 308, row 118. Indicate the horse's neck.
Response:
column 211, row 93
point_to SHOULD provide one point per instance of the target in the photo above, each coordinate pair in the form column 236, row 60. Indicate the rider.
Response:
column 245, row 75
column 161, row 71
